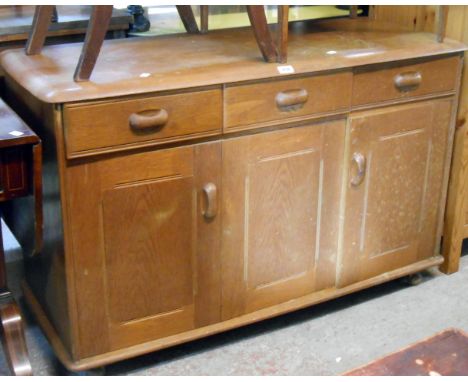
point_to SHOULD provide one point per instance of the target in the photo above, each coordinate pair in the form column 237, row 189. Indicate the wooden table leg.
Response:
column 11, row 327
column 14, row 343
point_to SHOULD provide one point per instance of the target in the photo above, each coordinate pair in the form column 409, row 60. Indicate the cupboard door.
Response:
column 280, row 215
column 393, row 197
column 147, row 238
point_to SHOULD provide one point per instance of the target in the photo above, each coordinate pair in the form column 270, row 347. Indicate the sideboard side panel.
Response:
column 46, row 271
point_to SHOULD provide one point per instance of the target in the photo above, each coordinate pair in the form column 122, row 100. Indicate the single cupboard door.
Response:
column 146, row 245
column 393, row 210
column 280, row 215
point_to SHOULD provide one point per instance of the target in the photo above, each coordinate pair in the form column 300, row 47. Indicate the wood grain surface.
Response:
column 390, row 220
column 216, row 191
column 103, row 125
column 224, row 56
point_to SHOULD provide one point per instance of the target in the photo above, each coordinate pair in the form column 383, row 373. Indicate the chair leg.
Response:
column 188, row 18
column 95, row 35
column 41, row 21
column 204, row 11
column 14, row 342
column 442, row 22
column 353, row 11
column 262, row 32
column 283, row 23
column 54, row 17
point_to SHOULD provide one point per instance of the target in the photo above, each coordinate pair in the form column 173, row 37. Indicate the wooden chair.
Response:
column 95, row 34
column 99, row 23
column 272, row 51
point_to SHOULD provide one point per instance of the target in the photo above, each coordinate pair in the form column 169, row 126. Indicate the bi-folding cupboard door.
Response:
column 397, row 157
column 280, row 203
column 146, row 243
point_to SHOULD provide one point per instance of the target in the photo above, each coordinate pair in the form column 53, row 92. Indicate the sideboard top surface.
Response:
column 145, row 65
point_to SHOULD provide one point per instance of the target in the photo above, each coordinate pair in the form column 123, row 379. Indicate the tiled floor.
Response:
column 327, row 339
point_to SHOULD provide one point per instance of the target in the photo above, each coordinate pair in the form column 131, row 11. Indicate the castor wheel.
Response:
column 413, row 279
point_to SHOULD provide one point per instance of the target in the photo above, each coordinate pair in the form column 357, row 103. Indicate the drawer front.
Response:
column 404, row 81
column 280, row 100
column 139, row 122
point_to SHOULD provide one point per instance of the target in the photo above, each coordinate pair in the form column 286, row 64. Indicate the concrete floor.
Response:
column 327, row 339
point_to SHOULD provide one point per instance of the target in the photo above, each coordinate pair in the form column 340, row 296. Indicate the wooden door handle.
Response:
column 360, row 161
column 211, row 195
column 407, row 81
column 148, row 120
column 291, row 99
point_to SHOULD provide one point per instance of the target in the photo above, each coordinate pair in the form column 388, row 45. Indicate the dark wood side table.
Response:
column 71, row 25
column 20, row 174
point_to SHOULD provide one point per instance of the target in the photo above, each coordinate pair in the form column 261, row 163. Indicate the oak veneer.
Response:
column 214, row 58
column 455, row 227
column 280, row 215
column 288, row 98
column 390, row 220
column 393, row 81
column 142, row 121
column 155, row 242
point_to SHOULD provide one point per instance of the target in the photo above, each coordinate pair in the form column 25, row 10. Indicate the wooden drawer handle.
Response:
column 211, row 195
column 291, row 99
column 360, row 161
column 148, row 120
column 407, row 81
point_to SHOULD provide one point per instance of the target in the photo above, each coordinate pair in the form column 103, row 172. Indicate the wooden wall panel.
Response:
column 412, row 17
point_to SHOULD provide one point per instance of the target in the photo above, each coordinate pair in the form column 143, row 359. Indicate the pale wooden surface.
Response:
column 128, row 66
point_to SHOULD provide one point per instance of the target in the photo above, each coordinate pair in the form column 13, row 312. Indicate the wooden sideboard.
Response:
column 190, row 188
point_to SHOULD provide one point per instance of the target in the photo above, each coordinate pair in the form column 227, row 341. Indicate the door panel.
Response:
column 280, row 215
column 150, row 259
column 389, row 216
column 276, row 188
